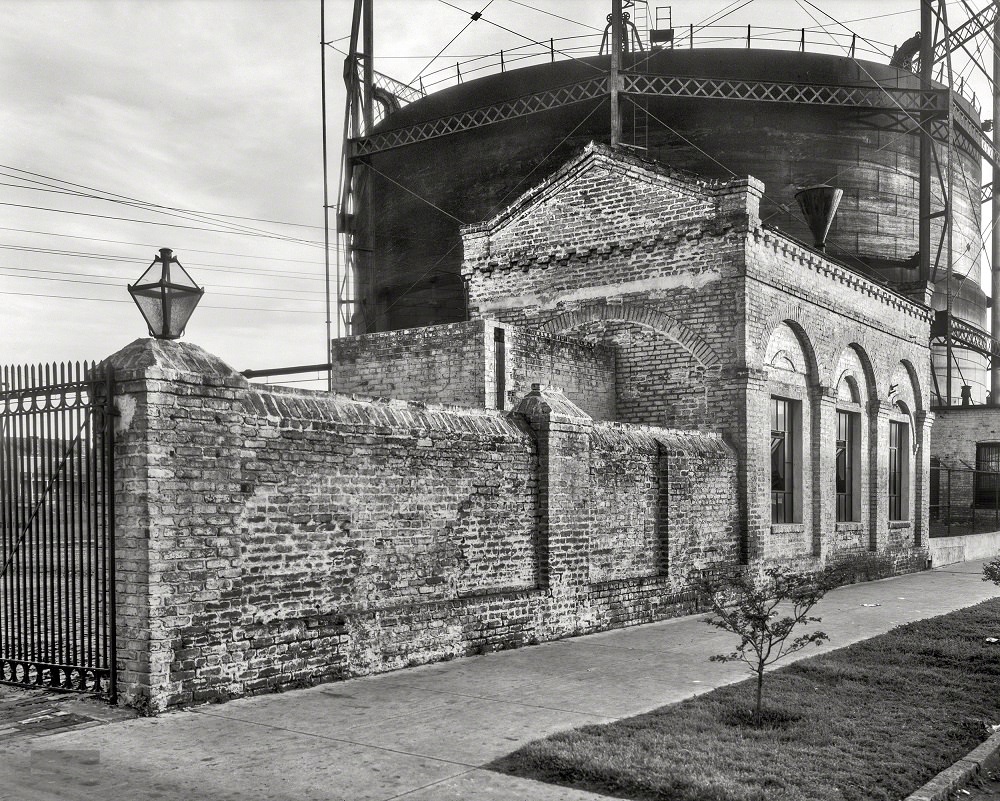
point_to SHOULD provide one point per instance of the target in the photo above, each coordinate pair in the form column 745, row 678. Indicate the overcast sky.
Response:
column 213, row 106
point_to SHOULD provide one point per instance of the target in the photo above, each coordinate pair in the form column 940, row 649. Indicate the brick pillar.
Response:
column 923, row 422
column 878, row 484
column 824, row 468
column 752, row 447
column 563, row 433
column 177, row 465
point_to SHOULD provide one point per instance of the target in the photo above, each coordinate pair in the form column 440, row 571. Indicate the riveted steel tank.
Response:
column 423, row 192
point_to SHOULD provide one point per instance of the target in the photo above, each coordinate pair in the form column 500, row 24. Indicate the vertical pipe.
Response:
column 949, row 206
column 326, row 193
column 616, row 62
column 748, row 37
column 552, row 50
column 802, row 42
column 854, row 41
column 691, row 37
column 995, row 210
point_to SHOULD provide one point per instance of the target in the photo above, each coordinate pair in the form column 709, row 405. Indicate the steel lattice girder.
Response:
column 964, row 335
column 868, row 97
column 487, row 115
column 911, row 101
column 891, row 100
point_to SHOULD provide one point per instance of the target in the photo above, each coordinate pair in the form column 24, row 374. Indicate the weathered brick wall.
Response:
column 625, row 504
column 436, row 364
column 457, row 364
column 954, row 437
column 584, row 371
column 273, row 536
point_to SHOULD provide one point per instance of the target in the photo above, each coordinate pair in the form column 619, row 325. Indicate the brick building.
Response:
column 651, row 296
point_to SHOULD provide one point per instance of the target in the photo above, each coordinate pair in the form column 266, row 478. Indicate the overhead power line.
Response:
column 114, row 197
column 164, row 224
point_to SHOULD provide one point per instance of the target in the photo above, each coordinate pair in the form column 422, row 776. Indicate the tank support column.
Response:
column 615, row 77
column 995, row 238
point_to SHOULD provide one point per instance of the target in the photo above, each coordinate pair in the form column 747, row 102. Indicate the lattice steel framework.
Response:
column 942, row 122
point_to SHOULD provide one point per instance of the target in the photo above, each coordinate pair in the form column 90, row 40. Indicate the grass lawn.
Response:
column 875, row 720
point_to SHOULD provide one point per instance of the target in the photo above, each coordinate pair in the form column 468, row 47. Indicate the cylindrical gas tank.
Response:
column 421, row 193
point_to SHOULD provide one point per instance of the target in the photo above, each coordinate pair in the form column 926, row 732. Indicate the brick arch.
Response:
column 640, row 315
column 805, row 342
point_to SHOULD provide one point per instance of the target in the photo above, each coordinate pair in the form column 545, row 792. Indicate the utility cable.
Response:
column 472, row 18
column 291, row 275
column 169, row 208
column 163, row 224
column 154, row 247
column 557, row 16
column 527, row 38
column 116, row 280
column 130, row 200
column 417, row 196
column 116, row 300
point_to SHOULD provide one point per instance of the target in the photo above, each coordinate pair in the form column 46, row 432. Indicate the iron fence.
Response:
column 57, row 611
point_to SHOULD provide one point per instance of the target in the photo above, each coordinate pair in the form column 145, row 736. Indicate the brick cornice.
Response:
column 823, row 267
column 649, row 242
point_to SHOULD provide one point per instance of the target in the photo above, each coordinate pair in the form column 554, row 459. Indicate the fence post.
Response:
column 458, row 71
column 501, row 61
column 691, row 38
column 748, row 37
column 854, row 39
column 802, row 44
column 552, row 49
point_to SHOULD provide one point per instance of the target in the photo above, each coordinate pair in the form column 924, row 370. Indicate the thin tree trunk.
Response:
column 760, row 689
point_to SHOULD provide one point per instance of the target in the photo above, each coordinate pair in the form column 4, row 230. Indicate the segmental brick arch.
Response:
column 640, row 315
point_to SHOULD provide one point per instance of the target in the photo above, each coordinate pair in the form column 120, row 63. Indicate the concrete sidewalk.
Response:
column 423, row 733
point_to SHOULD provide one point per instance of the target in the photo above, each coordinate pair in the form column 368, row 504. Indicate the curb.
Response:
column 959, row 774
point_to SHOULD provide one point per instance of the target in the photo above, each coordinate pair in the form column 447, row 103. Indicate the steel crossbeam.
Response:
column 403, row 91
column 964, row 335
column 971, row 28
column 973, row 132
column 868, row 97
column 889, row 99
column 486, row 115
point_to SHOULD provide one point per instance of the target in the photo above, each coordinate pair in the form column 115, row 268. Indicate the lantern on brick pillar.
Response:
column 166, row 301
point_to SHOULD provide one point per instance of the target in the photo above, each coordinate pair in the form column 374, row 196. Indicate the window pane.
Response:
column 778, row 463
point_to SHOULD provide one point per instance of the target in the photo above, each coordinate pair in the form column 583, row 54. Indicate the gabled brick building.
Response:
column 654, row 297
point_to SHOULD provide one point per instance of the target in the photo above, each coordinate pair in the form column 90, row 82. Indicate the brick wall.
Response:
column 956, row 433
column 457, row 364
column 270, row 536
column 437, row 364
